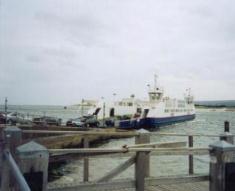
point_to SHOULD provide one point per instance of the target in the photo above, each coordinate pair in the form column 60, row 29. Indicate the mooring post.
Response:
column 15, row 135
column 86, row 161
column 190, row 157
column 142, row 164
column 141, row 139
column 33, row 163
column 222, row 166
column 140, row 168
column 12, row 137
column 227, row 136
column 226, row 126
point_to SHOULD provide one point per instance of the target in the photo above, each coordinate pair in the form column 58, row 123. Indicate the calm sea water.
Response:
column 207, row 122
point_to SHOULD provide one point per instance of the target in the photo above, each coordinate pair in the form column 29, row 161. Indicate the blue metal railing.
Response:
column 16, row 171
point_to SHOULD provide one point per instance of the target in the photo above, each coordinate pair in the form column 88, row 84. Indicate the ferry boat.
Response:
column 160, row 110
column 157, row 111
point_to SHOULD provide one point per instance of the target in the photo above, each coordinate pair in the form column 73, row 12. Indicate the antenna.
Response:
column 155, row 81
column 148, row 85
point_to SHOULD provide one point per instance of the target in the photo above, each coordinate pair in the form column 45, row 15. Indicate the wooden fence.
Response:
column 32, row 160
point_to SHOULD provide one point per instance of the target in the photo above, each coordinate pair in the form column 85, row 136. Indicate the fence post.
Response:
column 226, row 126
column 190, row 157
column 12, row 137
column 15, row 135
column 140, row 168
column 141, row 139
column 33, row 163
column 86, row 161
column 227, row 136
column 222, row 166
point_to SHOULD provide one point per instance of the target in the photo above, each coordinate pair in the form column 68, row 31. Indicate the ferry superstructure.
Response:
column 124, row 108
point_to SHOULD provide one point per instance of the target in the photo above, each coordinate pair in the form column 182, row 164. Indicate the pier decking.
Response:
column 195, row 186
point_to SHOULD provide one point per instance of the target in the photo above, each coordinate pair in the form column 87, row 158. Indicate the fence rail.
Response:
column 127, row 133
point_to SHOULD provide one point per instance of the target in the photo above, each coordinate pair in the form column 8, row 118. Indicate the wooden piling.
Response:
column 222, row 161
column 142, row 164
column 140, row 168
column 86, row 161
column 190, row 157
column 226, row 126
column 141, row 139
column 33, row 163
column 227, row 136
column 15, row 135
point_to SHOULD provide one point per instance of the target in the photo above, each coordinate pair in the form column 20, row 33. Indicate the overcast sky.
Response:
column 60, row 51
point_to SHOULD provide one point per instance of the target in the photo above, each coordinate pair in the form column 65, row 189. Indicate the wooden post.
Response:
column 222, row 166
column 140, row 168
column 15, row 135
column 33, row 163
column 227, row 136
column 86, row 161
column 142, row 164
column 190, row 157
column 141, row 139
column 226, row 126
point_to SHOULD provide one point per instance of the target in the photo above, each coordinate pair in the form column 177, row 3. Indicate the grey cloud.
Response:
column 93, row 48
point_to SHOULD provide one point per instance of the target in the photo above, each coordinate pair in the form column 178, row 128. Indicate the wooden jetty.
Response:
column 24, row 166
column 55, row 137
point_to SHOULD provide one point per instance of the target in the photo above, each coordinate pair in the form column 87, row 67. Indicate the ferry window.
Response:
column 145, row 113
column 139, row 110
column 153, row 97
column 130, row 104
column 111, row 113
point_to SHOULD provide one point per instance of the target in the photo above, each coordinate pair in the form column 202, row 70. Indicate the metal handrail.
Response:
column 16, row 171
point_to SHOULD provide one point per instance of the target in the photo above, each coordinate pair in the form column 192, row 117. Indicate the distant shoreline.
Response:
column 213, row 106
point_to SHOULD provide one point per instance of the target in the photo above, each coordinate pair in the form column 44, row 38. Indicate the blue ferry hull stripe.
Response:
column 154, row 122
